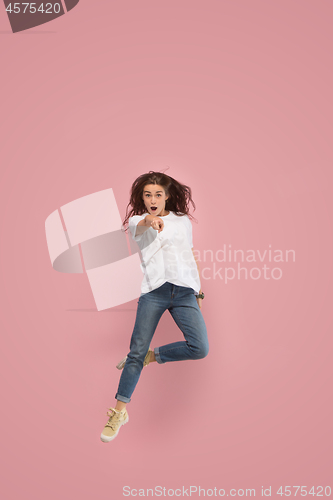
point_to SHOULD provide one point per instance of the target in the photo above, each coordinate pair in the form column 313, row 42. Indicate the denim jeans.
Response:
column 183, row 307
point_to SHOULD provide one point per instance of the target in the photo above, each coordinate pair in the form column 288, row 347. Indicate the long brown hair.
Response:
column 179, row 194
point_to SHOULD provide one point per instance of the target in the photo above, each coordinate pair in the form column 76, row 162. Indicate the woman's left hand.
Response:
column 199, row 302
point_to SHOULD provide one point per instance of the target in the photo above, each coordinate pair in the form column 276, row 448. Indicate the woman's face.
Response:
column 154, row 198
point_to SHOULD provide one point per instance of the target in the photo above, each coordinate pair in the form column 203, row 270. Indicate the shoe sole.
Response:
column 107, row 439
column 121, row 363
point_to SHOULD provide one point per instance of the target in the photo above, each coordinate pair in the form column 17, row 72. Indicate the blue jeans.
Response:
column 183, row 307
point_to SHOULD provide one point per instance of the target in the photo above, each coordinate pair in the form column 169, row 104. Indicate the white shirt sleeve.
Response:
column 189, row 230
column 132, row 225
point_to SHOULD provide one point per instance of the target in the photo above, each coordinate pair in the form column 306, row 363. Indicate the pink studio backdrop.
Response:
column 235, row 98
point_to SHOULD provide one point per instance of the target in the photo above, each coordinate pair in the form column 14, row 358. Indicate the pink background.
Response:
column 236, row 98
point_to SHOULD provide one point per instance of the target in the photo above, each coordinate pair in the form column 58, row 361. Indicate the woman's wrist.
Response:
column 148, row 219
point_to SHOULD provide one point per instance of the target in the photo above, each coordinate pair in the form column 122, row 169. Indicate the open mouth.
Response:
column 153, row 208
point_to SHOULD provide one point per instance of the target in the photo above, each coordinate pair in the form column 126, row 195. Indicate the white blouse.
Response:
column 167, row 255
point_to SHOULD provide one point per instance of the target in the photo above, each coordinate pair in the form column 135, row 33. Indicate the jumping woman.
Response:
column 159, row 223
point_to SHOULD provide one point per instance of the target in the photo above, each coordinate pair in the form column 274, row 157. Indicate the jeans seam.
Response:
column 179, row 319
column 182, row 332
column 183, row 328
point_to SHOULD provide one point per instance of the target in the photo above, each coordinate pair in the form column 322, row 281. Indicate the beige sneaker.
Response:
column 121, row 363
column 116, row 420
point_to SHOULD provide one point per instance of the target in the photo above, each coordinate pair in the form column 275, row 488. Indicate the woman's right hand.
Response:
column 154, row 222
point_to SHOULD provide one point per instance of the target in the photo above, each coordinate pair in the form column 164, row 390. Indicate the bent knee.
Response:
column 202, row 351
